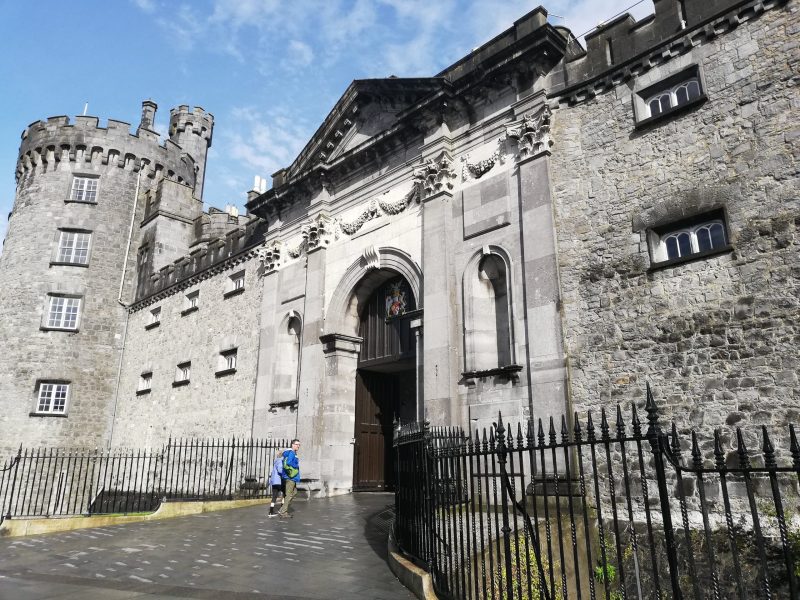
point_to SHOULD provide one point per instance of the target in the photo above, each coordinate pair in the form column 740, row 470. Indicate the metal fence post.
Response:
column 656, row 439
column 14, row 480
column 502, row 453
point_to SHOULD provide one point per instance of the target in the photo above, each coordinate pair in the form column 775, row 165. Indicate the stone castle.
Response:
column 538, row 229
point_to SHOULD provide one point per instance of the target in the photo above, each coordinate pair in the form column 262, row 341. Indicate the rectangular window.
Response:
column 670, row 95
column 235, row 284
column 227, row 362
column 154, row 319
column 63, row 312
column 84, row 189
column 73, row 247
column 51, row 398
column 688, row 239
column 191, row 302
column 144, row 254
column 182, row 373
column 145, row 380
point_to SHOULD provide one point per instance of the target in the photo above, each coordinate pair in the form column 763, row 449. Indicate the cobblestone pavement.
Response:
column 333, row 548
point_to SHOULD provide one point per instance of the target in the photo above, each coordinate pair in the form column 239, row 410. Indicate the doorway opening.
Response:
column 386, row 384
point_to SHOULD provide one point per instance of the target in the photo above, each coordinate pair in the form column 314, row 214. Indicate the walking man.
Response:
column 291, row 476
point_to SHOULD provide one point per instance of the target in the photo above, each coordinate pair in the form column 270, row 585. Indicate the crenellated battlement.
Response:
column 48, row 144
column 625, row 48
column 195, row 120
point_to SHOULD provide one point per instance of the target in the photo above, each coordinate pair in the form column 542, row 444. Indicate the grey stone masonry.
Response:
column 717, row 338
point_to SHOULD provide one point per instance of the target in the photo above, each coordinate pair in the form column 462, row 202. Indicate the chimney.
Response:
column 148, row 115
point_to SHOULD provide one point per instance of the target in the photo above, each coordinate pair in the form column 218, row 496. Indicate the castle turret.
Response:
column 192, row 130
column 69, row 266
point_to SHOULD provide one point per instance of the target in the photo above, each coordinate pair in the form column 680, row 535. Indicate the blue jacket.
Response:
column 291, row 466
column 276, row 475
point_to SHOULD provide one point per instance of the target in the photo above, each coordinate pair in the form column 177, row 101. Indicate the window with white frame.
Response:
column 154, row 318
column 191, row 302
column 227, row 361
column 183, row 372
column 681, row 89
column 62, row 312
column 73, row 247
column 84, row 189
column 145, row 381
column 235, row 284
column 696, row 237
column 51, row 398
column 674, row 97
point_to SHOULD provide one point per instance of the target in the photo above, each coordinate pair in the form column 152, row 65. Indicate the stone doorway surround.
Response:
column 341, row 343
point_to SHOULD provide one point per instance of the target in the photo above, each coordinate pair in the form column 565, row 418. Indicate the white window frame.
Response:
column 66, row 253
column 84, row 189
column 228, row 360
column 52, row 398
column 671, row 96
column 145, row 382
column 191, row 302
column 659, row 239
column 236, row 284
column 183, row 372
column 154, row 318
column 65, row 307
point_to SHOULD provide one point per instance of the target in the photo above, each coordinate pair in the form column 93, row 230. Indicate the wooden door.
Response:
column 373, row 432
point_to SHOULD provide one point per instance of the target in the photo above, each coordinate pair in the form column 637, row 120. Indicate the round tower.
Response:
column 68, row 264
column 191, row 129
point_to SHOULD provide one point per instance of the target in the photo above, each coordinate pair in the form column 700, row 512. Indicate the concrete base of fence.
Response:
column 167, row 510
column 410, row 575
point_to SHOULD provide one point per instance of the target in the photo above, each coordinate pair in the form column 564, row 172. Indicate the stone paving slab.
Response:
column 333, row 548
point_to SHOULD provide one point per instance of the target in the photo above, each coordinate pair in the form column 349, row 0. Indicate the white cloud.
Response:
column 148, row 6
column 298, row 55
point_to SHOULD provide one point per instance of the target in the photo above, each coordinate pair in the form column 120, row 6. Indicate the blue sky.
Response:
column 268, row 70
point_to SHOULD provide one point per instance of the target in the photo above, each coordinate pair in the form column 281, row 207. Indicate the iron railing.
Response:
column 46, row 482
column 611, row 512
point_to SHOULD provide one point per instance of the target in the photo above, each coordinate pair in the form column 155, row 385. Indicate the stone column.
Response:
column 545, row 349
column 440, row 322
column 266, row 349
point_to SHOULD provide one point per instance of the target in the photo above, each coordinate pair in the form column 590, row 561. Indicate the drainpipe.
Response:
column 124, row 306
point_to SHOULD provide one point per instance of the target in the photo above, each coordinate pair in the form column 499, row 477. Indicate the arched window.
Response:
column 488, row 334
column 287, row 358
column 676, row 96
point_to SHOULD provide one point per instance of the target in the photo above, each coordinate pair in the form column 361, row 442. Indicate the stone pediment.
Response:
column 367, row 109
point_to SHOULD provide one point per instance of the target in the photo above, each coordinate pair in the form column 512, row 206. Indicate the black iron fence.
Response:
column 575, row 510
column 45, row 482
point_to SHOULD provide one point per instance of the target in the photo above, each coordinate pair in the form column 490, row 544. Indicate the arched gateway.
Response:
column 376, row 306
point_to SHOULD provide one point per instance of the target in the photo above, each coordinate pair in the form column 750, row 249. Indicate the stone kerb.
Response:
column 47, row 144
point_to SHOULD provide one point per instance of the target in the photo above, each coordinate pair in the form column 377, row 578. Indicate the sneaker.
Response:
column 270, row 515
column 285, row 516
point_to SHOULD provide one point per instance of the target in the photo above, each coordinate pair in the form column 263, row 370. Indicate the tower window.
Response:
column 63, row 312
column 84, row 189
column 73, row 247
column 154, row 319
column 145, row 381
column 191, row 302
column 51, row 398
column 672, row 94
column 182, row 373
column 674, row 97
column 700, row 236
column 227, row 362
column 235, row 284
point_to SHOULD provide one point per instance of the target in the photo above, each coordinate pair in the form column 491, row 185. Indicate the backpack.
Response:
column 287, row 470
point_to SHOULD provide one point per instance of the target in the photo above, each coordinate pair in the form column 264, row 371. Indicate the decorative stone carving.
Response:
column 318, row 232
column 435, row 175
column 271, row 256
column 478, row 169
column 532, row 133
column 370, row 212
column 371, row 258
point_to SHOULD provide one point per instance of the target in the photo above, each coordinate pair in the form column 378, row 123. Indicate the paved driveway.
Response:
column 333, row 548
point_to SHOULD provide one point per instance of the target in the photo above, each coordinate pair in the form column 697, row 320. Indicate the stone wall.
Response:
column 717, row 338
column 210, row 405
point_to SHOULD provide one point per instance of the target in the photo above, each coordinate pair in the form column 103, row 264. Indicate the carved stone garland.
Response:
column 480, row 168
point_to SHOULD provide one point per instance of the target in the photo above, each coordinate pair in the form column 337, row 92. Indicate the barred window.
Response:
column 63, row 312
column 52, row 398
column 84, row 189
column 73, row 247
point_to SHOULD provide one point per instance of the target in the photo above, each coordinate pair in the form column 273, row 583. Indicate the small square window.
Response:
column 227, row 362
column 51, row 398
column 688, row 239
column 154, row 319
column 183, row 373
column 62, row 312
column 235, row 284
column 191, row 302
column 145, row 381
column 84, row 189
column 73, row 247
column 670, row 95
